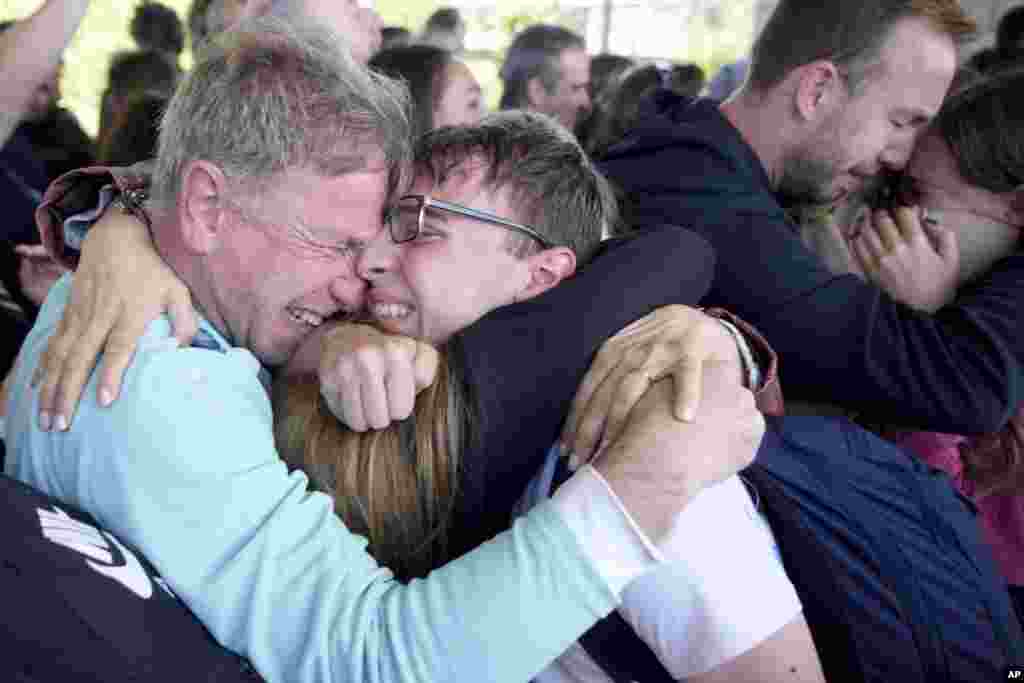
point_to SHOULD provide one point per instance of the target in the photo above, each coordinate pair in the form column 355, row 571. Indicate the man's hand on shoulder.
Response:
column 370, row 379
column 673, row 341
column 659, row 463
column 121, row 285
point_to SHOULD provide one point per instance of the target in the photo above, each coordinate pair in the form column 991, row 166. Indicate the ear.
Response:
column 1016, row 210
column 201, row 210
column 535, row 93
column 819, row 89
column 547, row 269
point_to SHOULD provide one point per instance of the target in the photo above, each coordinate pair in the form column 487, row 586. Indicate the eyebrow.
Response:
column 321, row 235
column 918, row 116
column 438, row 213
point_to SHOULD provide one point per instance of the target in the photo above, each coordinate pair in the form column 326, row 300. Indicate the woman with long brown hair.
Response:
column 967, row 177
column 395, row 486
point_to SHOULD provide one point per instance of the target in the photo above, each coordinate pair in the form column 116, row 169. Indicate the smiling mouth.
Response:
column 390, row 311
column 305, row 317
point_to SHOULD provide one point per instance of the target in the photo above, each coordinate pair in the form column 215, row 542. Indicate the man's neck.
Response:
column 757, row 121
column 190, row 269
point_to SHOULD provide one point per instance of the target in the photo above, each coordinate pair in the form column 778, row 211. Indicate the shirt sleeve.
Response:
column 183, row 466
column 81, row 196
column 712, row 599
column 694, row 610
column 606, row 532
column 957, row 370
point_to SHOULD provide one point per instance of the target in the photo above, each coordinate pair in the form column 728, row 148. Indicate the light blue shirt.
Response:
column 183, row 466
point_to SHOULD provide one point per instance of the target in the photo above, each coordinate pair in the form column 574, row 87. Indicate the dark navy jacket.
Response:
column 838, row 339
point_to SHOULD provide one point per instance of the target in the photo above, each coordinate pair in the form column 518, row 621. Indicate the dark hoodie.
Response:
column 839, row 340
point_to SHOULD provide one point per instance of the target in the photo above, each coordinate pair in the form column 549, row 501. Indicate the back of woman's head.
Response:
column 983, row 124
column 621, row 107
column 396, row 486
column 422, row 69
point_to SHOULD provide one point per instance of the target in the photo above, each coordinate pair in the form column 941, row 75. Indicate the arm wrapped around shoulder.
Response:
column 80, row 194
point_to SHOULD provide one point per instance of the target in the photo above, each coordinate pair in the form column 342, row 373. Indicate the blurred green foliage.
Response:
column 104, row 32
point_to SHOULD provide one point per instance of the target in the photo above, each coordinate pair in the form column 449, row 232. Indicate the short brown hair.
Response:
column 850, row 34
column 556, row 187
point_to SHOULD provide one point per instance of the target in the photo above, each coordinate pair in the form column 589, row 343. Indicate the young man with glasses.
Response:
column 453, row 253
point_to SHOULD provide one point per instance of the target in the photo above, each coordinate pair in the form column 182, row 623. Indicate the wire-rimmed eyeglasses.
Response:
column 405, row 218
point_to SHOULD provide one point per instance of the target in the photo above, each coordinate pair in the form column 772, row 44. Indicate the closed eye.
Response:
column 428, row 234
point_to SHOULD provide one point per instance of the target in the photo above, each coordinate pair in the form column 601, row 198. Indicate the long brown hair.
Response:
column 396, row 486
column 994, row 463
column 983, row 125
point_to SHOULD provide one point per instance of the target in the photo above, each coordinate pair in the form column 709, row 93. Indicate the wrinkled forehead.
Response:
column 457, row 181
column 468, row 182
column 453, row 170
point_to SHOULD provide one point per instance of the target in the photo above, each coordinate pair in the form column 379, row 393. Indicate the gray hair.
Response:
column 205, row 18
column 272, row 96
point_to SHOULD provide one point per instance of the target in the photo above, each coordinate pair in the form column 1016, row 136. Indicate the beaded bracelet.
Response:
column 131, row 201
column 751, row 370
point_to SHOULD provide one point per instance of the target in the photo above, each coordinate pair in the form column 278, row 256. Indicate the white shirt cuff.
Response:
column 608, row 535
column 750, row 366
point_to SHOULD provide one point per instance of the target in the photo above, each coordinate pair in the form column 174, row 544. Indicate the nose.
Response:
column 896, row 155
column 378, row 258
column 348, row 290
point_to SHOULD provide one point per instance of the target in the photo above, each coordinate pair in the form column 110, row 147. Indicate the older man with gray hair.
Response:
column 277, row 158
column 358, row 25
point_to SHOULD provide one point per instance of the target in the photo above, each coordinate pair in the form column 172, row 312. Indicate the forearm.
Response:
column 956, row 371
column 274, row 574
column 298, row 595
column 30, row 51
column 843, row 341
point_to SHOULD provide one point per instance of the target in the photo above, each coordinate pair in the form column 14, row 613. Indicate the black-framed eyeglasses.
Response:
column 405, row 218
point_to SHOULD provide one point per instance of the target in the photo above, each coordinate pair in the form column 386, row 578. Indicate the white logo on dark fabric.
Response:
column 99, row 547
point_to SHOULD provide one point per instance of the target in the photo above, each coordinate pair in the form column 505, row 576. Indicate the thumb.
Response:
column 944, row 240
column 424, row 365
column 183, row 317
